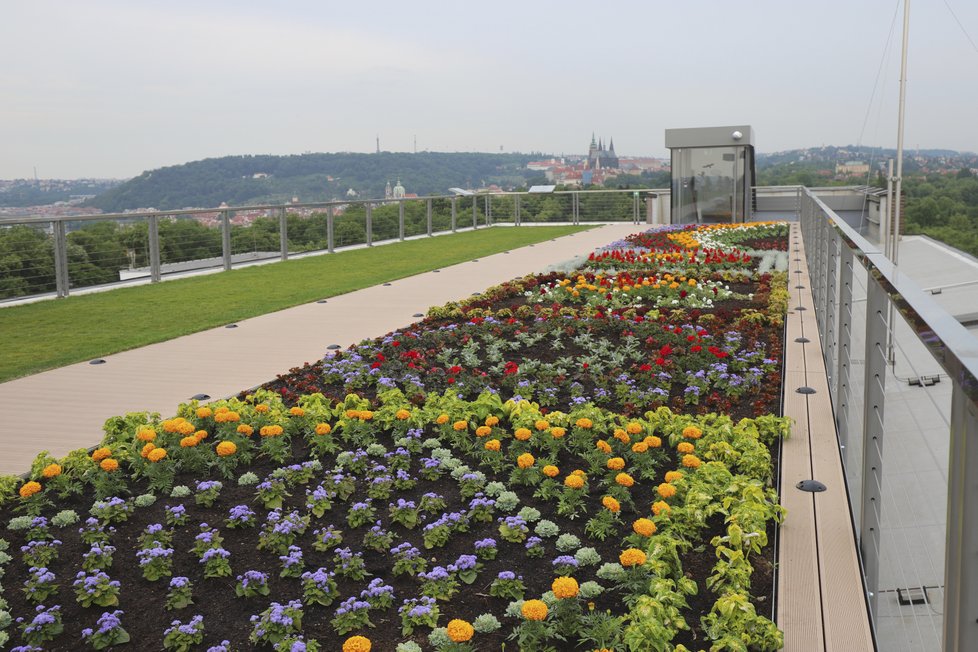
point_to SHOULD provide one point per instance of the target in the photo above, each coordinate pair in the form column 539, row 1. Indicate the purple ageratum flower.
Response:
column 39, row 523
column 240, row 514
column 506, row 575
column 223, row 646
column 153, row 528
column 293, row 558
column 376, row 589
column 90, row 583
column 565, row 560
column 107, row 622
column 45, row 616
column 179, row 582
column 195, row 625
column 436, row 574
column 403, row 504
column 177, row 511
column 321, row 577
column 533, row 542
column 253, row 577
column 485, row 543
column 208, row 485
column 211, row 553
column 481, row 501
column 351, row 604
column 466, row 562
column 40, row 575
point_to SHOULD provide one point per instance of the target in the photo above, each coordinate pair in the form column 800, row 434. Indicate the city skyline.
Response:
column 110, row 89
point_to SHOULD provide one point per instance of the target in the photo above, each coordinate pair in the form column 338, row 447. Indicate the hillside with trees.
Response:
column 249, row 180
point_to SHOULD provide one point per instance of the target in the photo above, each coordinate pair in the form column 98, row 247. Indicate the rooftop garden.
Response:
column 579, row 460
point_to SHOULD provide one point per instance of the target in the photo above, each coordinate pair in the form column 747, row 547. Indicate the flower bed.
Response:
column 542, row 465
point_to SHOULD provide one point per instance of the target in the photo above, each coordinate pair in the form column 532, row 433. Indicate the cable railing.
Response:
column 903, row 374
column 55, row 255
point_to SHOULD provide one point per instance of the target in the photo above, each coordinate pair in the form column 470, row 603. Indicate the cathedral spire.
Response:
column 593, row 144
column 611, row 145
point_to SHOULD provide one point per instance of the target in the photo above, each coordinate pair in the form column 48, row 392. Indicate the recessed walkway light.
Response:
column 436, row 271
column 418, row 314
column 97, row 361
column 799, row 287
column 800, row 308
column 322, row 301
column 333, row 347
column 231, row 326
column 200, row 397
column 387, row 285
column 813, row 486
column 805, row 390
column 802, row 340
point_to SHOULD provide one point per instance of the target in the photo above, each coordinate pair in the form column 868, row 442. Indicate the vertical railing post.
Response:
column 874, row 397
column 400, row 220
column 961, row 541
column 488, row 209
column 226, row 239
column 428, row 216
column 475, row 212
column 283, row 233
column 454, row 214
column 61, row 280
column 329, row 228
column 843, row 353
column 831, row 292
column 153, row 227
column 635, row 209
column 517, row 218
column 370, row 224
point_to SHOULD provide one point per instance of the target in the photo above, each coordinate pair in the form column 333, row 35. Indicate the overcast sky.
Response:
column 109, row 88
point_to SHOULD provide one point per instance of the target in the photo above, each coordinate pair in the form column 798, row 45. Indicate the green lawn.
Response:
column 55, row 333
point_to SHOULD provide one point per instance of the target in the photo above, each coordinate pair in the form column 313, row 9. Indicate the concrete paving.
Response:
column 65, row 409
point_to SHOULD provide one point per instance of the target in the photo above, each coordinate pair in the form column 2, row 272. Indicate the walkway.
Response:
column 65, row 409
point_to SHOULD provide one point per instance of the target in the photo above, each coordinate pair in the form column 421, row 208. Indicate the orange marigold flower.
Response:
column 460, row 630
column 603, row 446
column 541, row 425
column 622, row 436
column 611, row 504
column 28, row 489
column 323, row 428
column 245, row 429
column 188, row 442
column 156, row 454
column 660, row 507
column 534, row 609
column 357, row 644
column 574, row 482
column 522, row 434
column 460, row 425
column 672, row 476
column 170, row 425
column 483, row 431
column 640, row 447
column 557, row 432
column 666, row 490
column 442, row 419
column 51, row 471
column 492, row 420
column 492, row 445
column 691, row 462
column 222, row 409
column 200, row 434
column 365, row 415
column 352, row 414
column 186, row 428
column 565, row 587
column 146, row 434
column 525, row 461
column 261, row 408
column 232, row 416
column 580, row 473
column 643, row 527
column 204, row 412
column 147, row 448
column 584, row 423
column 633, row 428
column 631, row 557
column 226, row 448
column 692, row 432
column 402, row 415
column 685, row 447
column 109, row 464
column 551, row 471
column 297, row 411
column 270, row 431
column 653, row 441
column 616, row 463
column 624, row 480
column 100, row 454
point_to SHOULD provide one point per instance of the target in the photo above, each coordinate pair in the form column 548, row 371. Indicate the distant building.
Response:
column 851, row 168
column 397, row 192
column 599, row 158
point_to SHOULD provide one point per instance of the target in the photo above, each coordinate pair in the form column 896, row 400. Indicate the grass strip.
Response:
column 50, row 334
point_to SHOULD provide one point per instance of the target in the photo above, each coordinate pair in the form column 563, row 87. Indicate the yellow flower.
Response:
column 574, row 482
column 156, row 454
column 460, row 425
column 245, row 430
column 685, row 447
column 564, row 587
column 492, row 420
column 261, row 408
column 624, row 480
column 522, row 434
column 534, row 609
column 580, row 473
column 442, row 419
column 109, row 464
column 631, row 557
column 541, row 425
column 611, row 504
column 146, row 434
column 460, row 630
column 483, row 431
column 402, row 415
column 357, row 644
column 551, row 471
column 616, row 463
column 323, row 428
column 660, row 507
column 297, row 412
column 633, row 428
column 492, row 445
column 672, row 476
column 644, row 527
column 691, row 461
column 557, row 432
column 28, row 489
column 584, row 423
column 666, row 490
column 188, row 442
column 226, row 448
column 525, row 461
column 653, row 441
column 692, row 432
column 51, row 471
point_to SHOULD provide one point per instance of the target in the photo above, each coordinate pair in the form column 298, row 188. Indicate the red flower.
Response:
column 451, row 380
column 511, row 368
column 375, row 365
column 695, row 348
column 660, row 361
column 454, row 369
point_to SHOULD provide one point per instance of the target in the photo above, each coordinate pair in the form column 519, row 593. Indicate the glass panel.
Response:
column 708, row 184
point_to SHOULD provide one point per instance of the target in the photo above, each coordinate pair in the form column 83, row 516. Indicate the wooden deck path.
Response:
column 820, row 591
